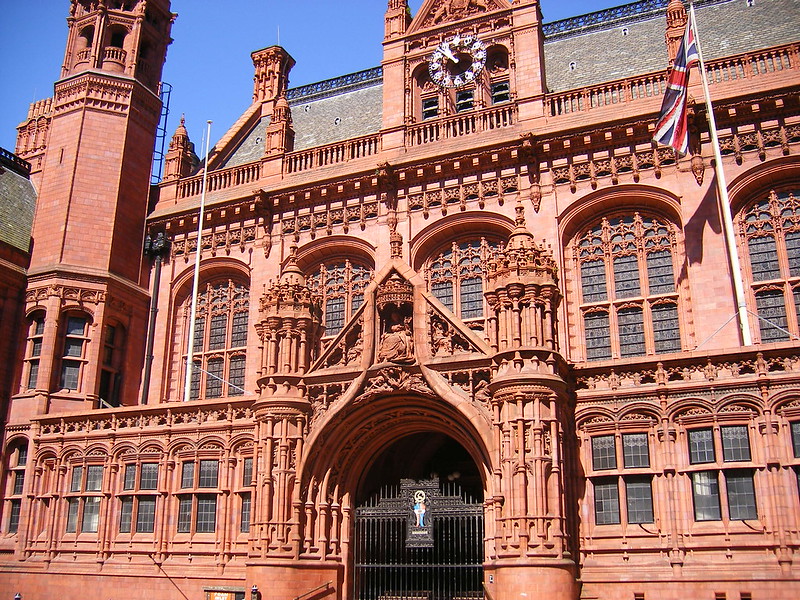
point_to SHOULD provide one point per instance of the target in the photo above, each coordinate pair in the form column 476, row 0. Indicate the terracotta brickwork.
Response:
column 508, row 291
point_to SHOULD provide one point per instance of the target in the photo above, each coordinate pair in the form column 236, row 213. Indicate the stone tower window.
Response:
column 341, row 285
column 75, row 338
column 15, row 484
column 455, row 276
column 33, row 351
column 220, row 341
column 770, row 228
column 629, row 301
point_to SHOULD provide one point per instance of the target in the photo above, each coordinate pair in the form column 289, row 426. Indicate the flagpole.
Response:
column 187, row 391
column 722, row 187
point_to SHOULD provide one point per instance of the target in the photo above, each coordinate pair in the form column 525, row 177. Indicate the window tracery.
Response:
column 770, row 229
column 17, row 457
column 220, row 343
column 341, row 286
column 455, row 275
column 629, row 303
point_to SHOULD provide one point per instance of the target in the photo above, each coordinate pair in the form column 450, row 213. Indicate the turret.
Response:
column 180, row 160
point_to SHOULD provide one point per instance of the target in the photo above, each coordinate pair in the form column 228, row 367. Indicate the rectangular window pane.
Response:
column 73, row 347
column 22, row 456
column 464, row 101
column 355, row 302
column 598, row 337
column 214, row 378
column 76, row 326
column 604, row 453
column 245, row 514
column 77, row 476
column 666, row 330
column 705, row 491
column 772, row 322
column 70, row 373
column 430, row 107
column 194, row 391
column 209, row 471
column 218, row 332
column 72, row 514
column 13, row 517
column 593, row 280
column 148, row 479
column 763, row 258
column 635, row 450
column 130, row 477
column 660, row 277
column 187, row 475
column 500, row 92
column 236, row 375
column 94, row 478
column 701, row 446
column 631, row 331
column 334, row 315
column 247, row 472
column 19, row 482
column 184, row 514
column 443, row 291
column 91, row 514
column 471, row 298
column 606, row 502
column 206, row 514
column 239, row 331
column 33, row 374
column 146, row 515
column 199, row 334
column 125, row 514
column 735, row 443
column 796, row 438
column 792, row 239
column 741, row 495
column 639, row 496
column 626, row 276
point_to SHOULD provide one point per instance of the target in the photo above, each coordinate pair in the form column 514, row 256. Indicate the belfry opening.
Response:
column 419, row 522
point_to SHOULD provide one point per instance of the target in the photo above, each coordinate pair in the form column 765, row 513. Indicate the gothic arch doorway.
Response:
column 419, row 523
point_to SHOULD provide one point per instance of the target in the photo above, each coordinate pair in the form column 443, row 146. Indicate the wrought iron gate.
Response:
column 416, row 541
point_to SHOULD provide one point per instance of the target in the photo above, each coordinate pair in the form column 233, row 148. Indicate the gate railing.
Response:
column 319, row 588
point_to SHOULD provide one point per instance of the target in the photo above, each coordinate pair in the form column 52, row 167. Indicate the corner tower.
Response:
column 86, row 287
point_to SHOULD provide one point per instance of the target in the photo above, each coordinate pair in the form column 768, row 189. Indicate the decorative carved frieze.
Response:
column 66, row 293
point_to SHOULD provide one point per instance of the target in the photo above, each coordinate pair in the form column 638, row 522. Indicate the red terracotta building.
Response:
column 462, row 330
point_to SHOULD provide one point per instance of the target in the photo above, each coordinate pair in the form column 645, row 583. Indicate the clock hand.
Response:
column 445, row 47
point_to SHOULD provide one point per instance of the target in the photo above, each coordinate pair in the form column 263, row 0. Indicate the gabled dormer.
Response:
column 458, row 57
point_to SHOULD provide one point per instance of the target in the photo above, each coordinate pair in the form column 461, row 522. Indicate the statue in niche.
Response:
column 397, row 342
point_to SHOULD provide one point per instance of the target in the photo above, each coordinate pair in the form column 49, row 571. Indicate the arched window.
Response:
column 771, row 230
column 341, row 285
column 17, row 456
column 455, row 276
column 220, row 341
column 33, row 351
column 628, row 297
column 74, row 342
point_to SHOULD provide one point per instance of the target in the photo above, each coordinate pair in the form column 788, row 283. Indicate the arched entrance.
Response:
column 419, row 523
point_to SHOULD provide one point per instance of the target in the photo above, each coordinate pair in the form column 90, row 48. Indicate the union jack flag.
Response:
column 671, row 128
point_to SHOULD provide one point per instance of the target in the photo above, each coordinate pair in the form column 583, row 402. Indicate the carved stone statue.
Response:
column 397, row 344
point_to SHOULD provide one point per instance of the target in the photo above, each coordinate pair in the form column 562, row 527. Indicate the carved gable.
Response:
column 437, row 12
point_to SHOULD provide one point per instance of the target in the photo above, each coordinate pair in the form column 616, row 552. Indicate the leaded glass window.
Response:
column 635, row 451
column 796, row 438
column 340, row 285
column 741, row 495
column 220, row 340
column 197, row 502
column 33, row 351
column 455, row 276
column 75, row 339
column 735, row 443
column 83, row 500
column 628, row 291
column 639, row 497
column 705, row 492
column 701, row 446
column 606, row 501
column 604, row 453
column 770, row 228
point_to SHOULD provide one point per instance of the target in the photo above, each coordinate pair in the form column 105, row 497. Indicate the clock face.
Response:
column 457, row 61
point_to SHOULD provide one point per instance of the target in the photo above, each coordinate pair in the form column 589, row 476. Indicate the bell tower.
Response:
column 87, row 285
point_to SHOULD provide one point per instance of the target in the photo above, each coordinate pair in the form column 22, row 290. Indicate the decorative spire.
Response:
column 271, row 79
column 398, row 18
column 180, row 160
column 676, row 27
column 280, row 132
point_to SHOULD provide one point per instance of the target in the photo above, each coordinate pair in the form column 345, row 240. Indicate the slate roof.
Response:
column 606, row 45
column 17, row 202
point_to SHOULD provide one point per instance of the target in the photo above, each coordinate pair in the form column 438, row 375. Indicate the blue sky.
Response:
column 209, row 64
